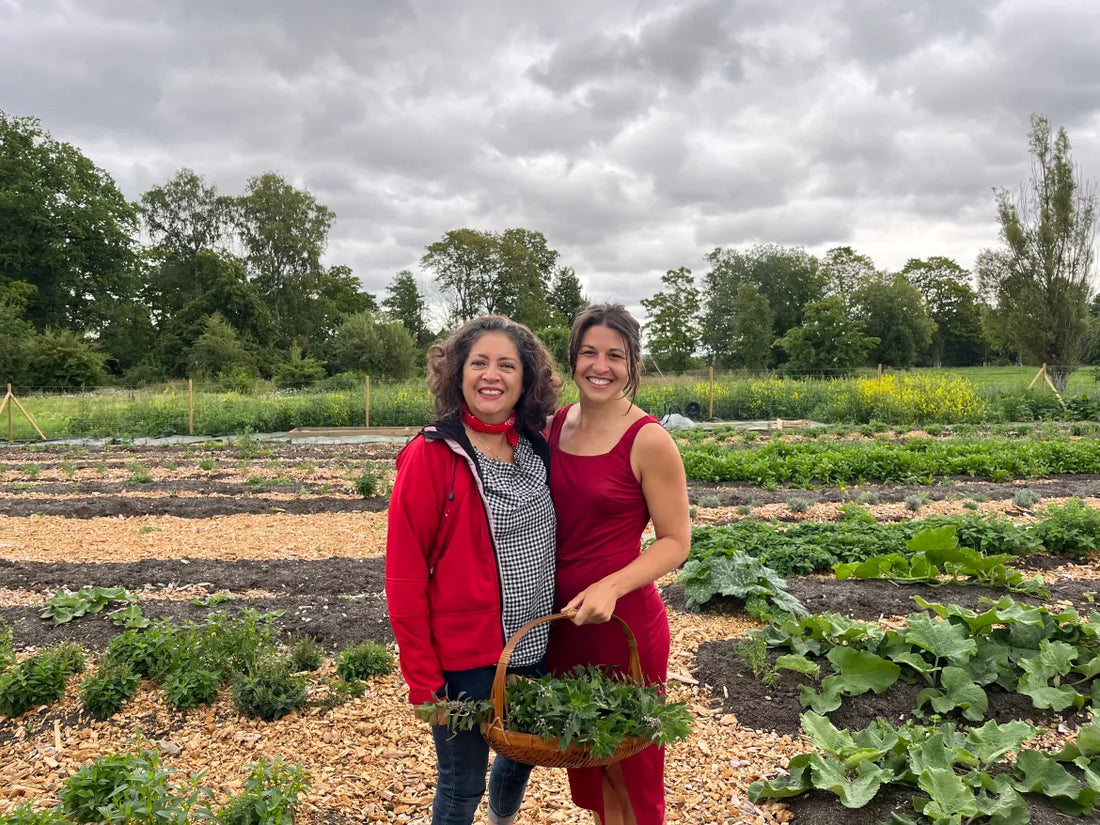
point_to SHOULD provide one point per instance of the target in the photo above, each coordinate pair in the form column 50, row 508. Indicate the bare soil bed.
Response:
column 283, row 528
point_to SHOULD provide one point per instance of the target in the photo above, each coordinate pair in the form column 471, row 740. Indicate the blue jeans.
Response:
column 462, row 758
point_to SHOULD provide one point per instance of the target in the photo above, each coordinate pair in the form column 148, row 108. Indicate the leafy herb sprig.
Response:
column 587, row 707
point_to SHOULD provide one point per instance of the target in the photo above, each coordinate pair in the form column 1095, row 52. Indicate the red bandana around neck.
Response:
column 507, row 426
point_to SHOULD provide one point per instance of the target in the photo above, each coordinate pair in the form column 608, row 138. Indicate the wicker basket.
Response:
column 532, row 749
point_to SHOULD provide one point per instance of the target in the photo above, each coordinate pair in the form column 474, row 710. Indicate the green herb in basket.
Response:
column 586, row 707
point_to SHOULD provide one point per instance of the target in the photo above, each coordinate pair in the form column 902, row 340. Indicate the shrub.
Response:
column 269, row 795
column 304, row 655
column 104, row 694
column 366, row 483
column 127, row 788
column 914, row 501
column 363, row 660
column 709, row 500
column 189, row 687
column 149, row 652
column 270, row 691
column 298, row 372
column 798, row 505
column 39, row 680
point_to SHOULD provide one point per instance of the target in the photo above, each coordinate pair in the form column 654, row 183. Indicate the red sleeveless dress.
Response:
column 601, row 515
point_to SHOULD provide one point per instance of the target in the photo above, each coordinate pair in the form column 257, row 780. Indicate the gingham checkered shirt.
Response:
column 525, row 529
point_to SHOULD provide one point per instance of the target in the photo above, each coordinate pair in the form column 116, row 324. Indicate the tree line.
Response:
column 188, row 280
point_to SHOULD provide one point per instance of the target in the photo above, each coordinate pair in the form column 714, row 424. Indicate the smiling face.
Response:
column 602, row 368
column 492, row 377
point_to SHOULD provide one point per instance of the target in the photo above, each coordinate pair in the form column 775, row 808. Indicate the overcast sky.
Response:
column 636, row 136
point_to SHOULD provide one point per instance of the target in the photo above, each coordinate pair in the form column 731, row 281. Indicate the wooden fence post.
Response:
column 710, row 409
column 366, row 400
column 190, row 406
column 14, row 402
column 880, row 372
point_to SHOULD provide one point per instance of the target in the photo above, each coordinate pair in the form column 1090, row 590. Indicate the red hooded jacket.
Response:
column 443, row 586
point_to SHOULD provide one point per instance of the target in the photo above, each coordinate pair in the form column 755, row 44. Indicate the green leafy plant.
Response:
column 26, row 815
column 112, row 686
column 213, row 600
column 304, row 654
column 7, row 646
column 914, row 501
column 270, row 691
column 130, row 617
column 960, row 778
column 738, row 575
column 934, row 558
column 363, row 660
column 39, row 680
column 139, row 473
column 754, row 653
column 366, row 483
column 189, row 687
column 129, row 788
column 268, row 796
column 797, row 504
column 587, row 706
column 1071, row 529
column 1026, row 499
column 66, row 605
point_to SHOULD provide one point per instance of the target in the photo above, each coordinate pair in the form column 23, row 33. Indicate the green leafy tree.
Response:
column 66, row 229
column 525, row 268
column 508, row 273
column 16, row 334
column 844, row 271
column 405, row 304
column 298, row 371
column 464, row 262
column 672, row 328
column 219, row 349
column 750, row 346
column 951, row 303
column 368, row 343
column 789, row 278
column 1049, row 231
column 61, row 359
column 284, row 232
column 828, row 342
column 566, row 296
column 892, row 312
column 186, row 215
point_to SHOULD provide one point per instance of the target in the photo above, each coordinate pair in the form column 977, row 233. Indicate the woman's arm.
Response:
column 412, row 525
column 660, row 470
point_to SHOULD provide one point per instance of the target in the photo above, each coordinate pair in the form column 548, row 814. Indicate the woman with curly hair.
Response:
column 470, row 545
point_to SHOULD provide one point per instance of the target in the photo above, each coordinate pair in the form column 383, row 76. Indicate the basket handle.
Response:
column 496, row 697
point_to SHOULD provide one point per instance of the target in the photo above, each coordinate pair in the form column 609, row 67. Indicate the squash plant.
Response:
column 959, row 777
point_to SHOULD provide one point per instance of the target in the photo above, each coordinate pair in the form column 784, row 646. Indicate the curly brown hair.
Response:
column 541, row 383
column 612, row 316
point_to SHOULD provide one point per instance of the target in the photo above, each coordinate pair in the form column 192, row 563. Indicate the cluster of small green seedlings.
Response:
column 587, row 707
column 191, row 663
column 136, row 787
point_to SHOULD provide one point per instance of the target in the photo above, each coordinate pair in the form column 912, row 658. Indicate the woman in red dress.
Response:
column 613, row 468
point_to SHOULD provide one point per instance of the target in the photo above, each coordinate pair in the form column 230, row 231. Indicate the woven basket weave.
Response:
column 531, row 749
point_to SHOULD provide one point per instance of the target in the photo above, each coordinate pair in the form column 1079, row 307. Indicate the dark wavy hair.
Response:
column 612, row 316
column 541, row 383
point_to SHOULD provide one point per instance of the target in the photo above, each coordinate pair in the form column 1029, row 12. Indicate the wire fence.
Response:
column 212, row 408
